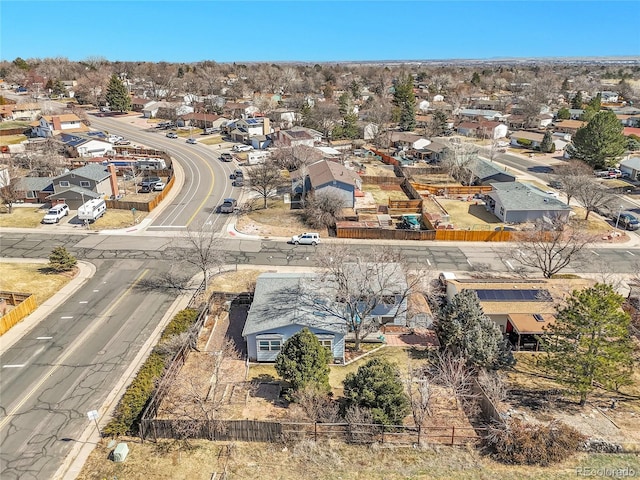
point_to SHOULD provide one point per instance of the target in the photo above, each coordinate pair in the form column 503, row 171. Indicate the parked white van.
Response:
column 92, row 210
column 56, row 213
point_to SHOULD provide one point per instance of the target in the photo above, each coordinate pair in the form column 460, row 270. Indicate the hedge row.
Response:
column 139, row 392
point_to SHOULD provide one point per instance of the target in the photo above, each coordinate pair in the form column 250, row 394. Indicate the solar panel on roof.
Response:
column 514, row 295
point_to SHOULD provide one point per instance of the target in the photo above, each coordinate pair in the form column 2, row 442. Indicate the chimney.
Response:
column 266, row 128
column 113, row 181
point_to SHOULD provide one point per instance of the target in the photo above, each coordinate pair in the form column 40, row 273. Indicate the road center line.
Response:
column 17, row 365
column 509, row 264
column 595, row 253
column 79, row 342
column 632, row 254
column 65, row 318
column 44, row 338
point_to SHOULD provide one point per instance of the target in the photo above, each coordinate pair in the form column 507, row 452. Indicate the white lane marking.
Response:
column 169, row 226
column 469, row 262
column 65, row 318
column 632, row 254
column 17, row 365
column 428, row 262
column 595, row 253
column 509, row 264
column 96, row 291
column 44, row 338
column 84, row 301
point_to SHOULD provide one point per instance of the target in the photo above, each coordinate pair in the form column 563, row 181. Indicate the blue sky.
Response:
column 330, row 30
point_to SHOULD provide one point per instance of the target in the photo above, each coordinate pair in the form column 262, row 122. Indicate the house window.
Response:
column 328, row 344
column 269, row 345
column 85, row 184
column 64, row 183
column 502, row 211
column 31, row 194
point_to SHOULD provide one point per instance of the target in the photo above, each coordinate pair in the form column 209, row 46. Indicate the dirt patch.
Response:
column 276, row 221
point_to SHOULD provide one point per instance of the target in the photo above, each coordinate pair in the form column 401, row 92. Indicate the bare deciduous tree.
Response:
column 592, row 195
column 265, row 179
column 458, row 158
column 317, row 405
column 420, row 394
column 323, row 209
column 452, row 371
column 493, row 385
column 551, row 246
column 572, row 175
column 201, row 249
column 362, row 291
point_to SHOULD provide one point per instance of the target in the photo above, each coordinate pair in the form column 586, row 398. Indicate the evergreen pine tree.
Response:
column 117, row 95
column 547, row 145
column 601, row 141
column 304, row 361
column 405, row 101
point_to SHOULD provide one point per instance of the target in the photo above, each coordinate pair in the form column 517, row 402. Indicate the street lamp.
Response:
column 618, row 219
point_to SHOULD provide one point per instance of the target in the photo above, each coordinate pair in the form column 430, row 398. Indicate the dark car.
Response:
column 147, row 183
column 236, row 174
column 628, row 221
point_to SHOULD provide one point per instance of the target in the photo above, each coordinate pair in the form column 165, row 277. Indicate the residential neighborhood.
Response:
column 430, row 258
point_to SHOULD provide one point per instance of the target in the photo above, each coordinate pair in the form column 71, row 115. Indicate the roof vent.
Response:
column 538, row 317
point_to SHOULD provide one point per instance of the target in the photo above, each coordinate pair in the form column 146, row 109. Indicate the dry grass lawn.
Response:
column 322, row 461
column 22, row 217
column 383, row 193
column 12, row 139
column 113, row 219
column 212, row 140
column 469, row 215
column 29, row 278
column 234, row 282
column 277, row 220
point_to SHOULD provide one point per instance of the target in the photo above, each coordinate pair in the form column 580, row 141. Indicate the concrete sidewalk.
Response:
column 86, row 270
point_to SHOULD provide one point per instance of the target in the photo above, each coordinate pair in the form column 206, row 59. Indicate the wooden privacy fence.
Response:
column 142, row 206
column 389, row 160
column 451, row 189
column 370, row 233
column 381, row 180
column 259, row 431
column 24, row 304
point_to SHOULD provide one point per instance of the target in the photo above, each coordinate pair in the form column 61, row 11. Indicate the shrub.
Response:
column 138, row 393
column 524, row 142
column 304, row 361
column 180, row 323
column 136, row 396
column 523, row 443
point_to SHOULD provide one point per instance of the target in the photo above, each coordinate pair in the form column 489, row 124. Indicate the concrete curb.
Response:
column 90, row 438
column 86, row 270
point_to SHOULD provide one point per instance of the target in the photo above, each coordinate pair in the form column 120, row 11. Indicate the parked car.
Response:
column 158, row 187
column 238, row 182
column 192, row 141
column 241, row 148
column 148, row 183
column 56, row 213
column 556, row 184
column 628, row 221
column 228, row 206
column 307, row 238
column 226, row 157
column 209, row 130
column 236, row 174
column 172, row 135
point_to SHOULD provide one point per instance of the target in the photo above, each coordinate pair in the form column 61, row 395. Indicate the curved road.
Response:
column 206, row 181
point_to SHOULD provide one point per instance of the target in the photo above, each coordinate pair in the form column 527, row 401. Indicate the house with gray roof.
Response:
column 34, row 189
column 484, row 172
column 517, row 202
column 278, row 312
column 84, row 183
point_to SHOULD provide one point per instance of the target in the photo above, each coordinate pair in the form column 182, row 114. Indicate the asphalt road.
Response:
column 206, row 181
column 68, row 364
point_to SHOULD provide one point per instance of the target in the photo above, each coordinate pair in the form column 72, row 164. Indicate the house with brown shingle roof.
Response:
column 569, row 126
column 26, row 112
column 327, row 176
column 50, row 125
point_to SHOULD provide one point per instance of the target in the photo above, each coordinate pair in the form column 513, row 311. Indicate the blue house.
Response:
column 327, row 176
column 277, row 313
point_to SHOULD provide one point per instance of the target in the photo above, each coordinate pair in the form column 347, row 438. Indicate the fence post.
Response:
column 382, row 436
column 453, row 434
column 315, row 432
column 419, row 431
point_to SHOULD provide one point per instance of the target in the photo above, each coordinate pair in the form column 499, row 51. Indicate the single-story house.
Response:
column 139, row 104
column 91, row 144
column 626, row 131
column 481, row 114
column 278, row 312
column 484, row 172
column 242, row 110
column 50, row 125
column 202, row 120
column 296, row 136
column 535, row 139
column 430, row 153
column 327, row 176
column 522, row 308
column 517, row 202
column 405, row 139
column 483, row 129
column 632, row 167
column 568, row 126
column 34, row 189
